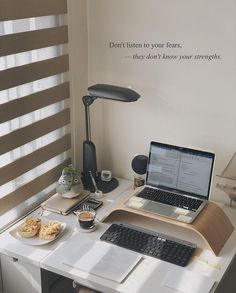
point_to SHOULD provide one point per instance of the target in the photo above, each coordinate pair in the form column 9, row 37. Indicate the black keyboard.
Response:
column 148, row 242
column 170, row 198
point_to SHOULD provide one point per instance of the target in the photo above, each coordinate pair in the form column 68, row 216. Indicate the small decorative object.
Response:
column 139, row 166
column 106, row 175
column 69, row 184
column 229, row 173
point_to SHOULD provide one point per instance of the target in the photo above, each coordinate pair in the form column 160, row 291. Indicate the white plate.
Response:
column 36, row 240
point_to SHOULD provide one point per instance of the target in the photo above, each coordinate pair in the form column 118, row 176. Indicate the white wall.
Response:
column 184, row 102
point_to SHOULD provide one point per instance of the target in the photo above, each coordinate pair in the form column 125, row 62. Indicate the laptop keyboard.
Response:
column 148, row 242
column 169, row 198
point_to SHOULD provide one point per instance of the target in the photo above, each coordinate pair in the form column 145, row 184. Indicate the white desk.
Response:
column 148, row 276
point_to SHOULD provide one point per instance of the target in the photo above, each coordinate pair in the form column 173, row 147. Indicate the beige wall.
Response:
column 186, row 102
column 78, row 49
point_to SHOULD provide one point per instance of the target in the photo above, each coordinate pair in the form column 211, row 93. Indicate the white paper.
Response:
column 185, row 281
column 230, row 169
column 103, row 259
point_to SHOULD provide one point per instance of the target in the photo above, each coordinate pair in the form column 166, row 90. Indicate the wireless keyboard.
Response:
column 148, row 242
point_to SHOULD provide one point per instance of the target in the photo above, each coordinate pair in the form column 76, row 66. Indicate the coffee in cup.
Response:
column 86, row 218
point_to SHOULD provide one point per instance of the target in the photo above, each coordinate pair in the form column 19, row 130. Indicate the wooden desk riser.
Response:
column 211, row 224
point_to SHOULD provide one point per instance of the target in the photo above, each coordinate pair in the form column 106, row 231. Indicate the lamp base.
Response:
column 104, row 186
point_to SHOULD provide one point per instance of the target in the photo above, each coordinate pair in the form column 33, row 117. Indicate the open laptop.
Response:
column 178, row 182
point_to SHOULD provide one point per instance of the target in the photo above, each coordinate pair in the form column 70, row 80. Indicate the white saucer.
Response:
column 91, row 229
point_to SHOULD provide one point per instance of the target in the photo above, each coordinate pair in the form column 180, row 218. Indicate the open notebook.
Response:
column 103, row 260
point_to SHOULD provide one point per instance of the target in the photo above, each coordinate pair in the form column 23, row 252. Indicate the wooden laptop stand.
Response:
column 211, row 224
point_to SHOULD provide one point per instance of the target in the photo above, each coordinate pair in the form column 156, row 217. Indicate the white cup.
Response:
column 98, row 194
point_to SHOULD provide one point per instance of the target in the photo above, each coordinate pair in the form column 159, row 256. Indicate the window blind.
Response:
column 35, row 137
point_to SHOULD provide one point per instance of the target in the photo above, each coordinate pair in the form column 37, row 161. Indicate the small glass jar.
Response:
column 139, row 180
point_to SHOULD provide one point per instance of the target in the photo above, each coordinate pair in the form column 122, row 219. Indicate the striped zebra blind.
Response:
column 34, row 103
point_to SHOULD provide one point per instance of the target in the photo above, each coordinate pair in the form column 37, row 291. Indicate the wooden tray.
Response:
column 211, row 224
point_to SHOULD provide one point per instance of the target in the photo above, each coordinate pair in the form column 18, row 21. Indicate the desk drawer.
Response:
column 19, row 277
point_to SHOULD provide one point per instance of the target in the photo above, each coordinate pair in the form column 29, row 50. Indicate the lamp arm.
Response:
column 87, row 121
column 87, row 101
column 89, row 150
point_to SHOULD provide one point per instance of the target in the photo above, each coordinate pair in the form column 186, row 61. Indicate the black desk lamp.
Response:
column 102, row 91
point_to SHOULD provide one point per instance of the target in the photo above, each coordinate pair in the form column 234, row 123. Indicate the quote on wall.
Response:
column 159, row 51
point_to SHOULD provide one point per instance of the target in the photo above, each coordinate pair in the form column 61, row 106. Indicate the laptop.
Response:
column 178, row 182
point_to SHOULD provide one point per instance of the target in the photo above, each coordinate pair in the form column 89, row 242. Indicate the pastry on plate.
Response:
column 50, row 230
column 30, row 227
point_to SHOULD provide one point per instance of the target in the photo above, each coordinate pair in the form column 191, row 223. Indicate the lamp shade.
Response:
column 111, row 92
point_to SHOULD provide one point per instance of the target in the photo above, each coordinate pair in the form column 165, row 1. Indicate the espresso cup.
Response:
column 86, row 218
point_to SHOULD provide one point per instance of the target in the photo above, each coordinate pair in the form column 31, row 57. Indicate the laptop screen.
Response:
column 180, row 169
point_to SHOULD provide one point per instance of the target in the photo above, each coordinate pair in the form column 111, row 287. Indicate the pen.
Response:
column 94, row 182
column 98, row 193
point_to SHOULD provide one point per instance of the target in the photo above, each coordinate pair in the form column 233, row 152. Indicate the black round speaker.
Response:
column 139, row 164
